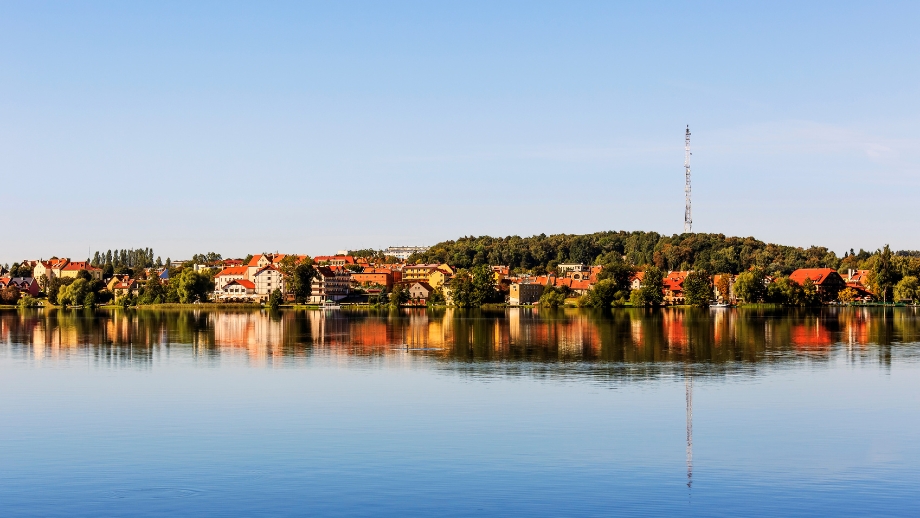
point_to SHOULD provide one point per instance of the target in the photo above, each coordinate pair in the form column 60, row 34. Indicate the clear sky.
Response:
column 312, row 127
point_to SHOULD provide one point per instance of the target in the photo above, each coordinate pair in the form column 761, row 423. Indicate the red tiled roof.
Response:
column 232, row 270
column 817, row 275
column 244, row 283
column 81, row 265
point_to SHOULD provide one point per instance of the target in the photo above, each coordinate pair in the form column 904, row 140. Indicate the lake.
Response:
column 460, row 413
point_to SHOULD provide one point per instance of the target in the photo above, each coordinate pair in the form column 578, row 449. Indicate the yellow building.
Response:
column 437, row 277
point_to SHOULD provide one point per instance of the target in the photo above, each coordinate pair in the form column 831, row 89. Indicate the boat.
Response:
column 327, row 304
column 719, row 305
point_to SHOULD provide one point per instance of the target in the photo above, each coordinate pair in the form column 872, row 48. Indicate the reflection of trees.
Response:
column 616, row 340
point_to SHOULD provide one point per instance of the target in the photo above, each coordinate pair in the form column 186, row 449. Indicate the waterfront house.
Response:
column 827, row 281
column 419, row 292
column 524, row 293
column 239, row 290
column 330, row 285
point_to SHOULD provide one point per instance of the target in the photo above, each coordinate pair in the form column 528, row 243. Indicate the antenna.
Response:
column 688, row 218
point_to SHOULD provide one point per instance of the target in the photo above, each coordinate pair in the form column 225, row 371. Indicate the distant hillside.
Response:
column 713, row 252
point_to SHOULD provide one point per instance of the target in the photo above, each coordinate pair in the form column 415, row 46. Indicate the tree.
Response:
column 192, row 286
column 749, row 285
column 275, row 299
column 399, row 296
column 154, row 292
column 54, row 285
column 907, row 289
column 698, row 288
column 73, row 293
column 846, row 296
column 883, row 275
column 10, row 295
column 601, row 295
column 724, row 286
column 89, row 301
column 553, row 297
column 652, row 286
column 436, row 298
column 785, row 291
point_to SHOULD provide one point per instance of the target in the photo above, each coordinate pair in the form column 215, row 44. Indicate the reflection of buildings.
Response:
column 624, row 336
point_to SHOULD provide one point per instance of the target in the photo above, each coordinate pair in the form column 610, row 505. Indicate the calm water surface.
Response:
column 415, row 413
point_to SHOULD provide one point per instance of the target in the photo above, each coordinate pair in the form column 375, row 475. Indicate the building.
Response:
column 239, row 290
column 25, row 285
column 437, row 278
column 524, row 293
column 334, row 260
column 673, row 287
column 420, row 292
column 265, row 281
column 636, row 281
column 565, row 269
column 125, row 287
column 418, row 272
column 228, row 275
column 403, row 252
column 73, row 268
column 330, row 285
column 827, row 281
column 50, row 268
column 373, row 277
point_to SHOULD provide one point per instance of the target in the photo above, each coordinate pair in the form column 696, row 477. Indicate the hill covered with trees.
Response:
column 714, row 253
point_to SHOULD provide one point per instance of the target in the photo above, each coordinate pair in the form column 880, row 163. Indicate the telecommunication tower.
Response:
column 688, row 218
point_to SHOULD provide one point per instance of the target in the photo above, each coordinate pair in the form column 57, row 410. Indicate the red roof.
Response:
column 233, row 270
column 244, row 283
column 81, row 265
column 817, row 275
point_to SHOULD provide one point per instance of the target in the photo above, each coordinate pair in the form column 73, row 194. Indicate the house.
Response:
column 265, row 281
column 524, row 293
column 403, row 252
column 827, row 281
column 500, row 272
column 73, row 268
column 50, row 268
column 673, row 287
column 860, row 277
column 438, row 277
column 635, row 282
column 334, row 260
column 228, row 275
column 115, row 280
column 563, row 269
column 239, row 290
column 418, row 272
column 420, row 291
column 125, row 287
column 330, row 285
column 23, row 284
column 373, row 277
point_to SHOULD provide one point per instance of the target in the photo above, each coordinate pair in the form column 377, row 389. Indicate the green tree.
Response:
column 553, row 297
column 399, row 296
column 275, row 299
column 192, row 286
column 73, row 293
column 154, row 292
column 907, row 289
column 601, row 295
column 749, row 285
column 436, row 298
column 89, row 301
column 652, row 286
column 698, row 288
column 883, row 275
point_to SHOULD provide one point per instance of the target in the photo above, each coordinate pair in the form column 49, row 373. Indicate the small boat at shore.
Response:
column 330, row 305
column 720, row 305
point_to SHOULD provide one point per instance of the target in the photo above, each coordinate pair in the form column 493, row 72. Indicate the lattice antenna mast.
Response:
column 688, row 218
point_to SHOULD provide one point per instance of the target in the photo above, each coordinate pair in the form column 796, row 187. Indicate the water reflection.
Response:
column 624, row 337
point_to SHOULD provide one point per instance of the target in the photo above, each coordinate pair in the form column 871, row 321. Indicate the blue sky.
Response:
column 313, row 127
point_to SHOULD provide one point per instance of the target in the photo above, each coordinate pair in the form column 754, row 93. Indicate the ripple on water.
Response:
column 153, row 493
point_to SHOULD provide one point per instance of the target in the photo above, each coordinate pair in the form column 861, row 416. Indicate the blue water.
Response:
column 206, row 422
